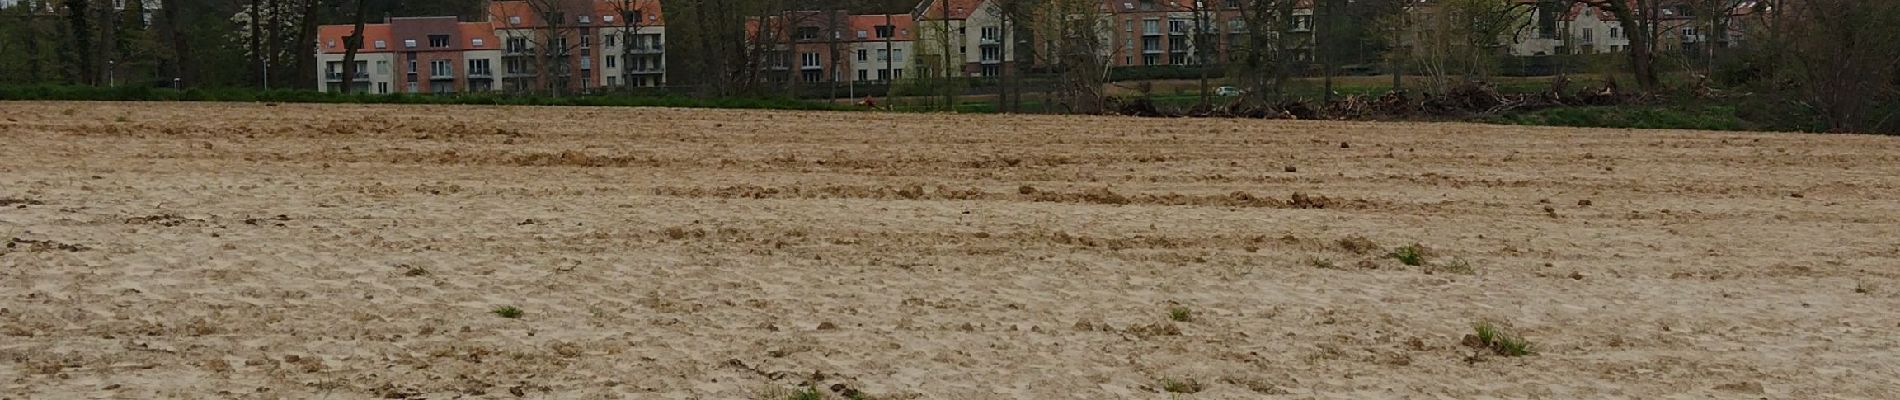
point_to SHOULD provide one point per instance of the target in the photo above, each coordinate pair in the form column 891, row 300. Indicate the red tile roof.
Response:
column 905, row 26
column 599, row 13
column 330, row 38
column 959, row 9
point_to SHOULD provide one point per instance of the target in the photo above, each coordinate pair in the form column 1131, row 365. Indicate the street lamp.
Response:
column 111, row 66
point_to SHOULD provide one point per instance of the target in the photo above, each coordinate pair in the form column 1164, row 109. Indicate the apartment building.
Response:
column 542, row 46
column 411, row 55
column 1586, row 29
column 580, row 45
column 963, row 38
column 880, row 47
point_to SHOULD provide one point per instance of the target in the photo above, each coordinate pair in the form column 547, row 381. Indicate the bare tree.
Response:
column 550, row 45
column 1644, row 22
column 1008, row 13
column 1844, row 60
column 631, row 16
column 1073, row 35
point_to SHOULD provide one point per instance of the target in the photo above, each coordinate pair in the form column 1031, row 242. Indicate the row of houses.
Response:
column 583, row 45
column 557, row 46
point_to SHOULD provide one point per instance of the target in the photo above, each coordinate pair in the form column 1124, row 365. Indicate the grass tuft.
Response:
column 1491, row 337
column 1181, row 314
column 508, row 312
column 1413, row 255
column 1188, row 386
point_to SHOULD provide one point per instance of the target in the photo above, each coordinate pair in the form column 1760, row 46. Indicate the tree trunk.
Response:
column 352, row 44
column 1641, row 36
column 79, row 25
column 180, row 48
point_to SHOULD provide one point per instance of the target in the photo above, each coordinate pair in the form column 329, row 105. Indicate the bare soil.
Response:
column 304, row 251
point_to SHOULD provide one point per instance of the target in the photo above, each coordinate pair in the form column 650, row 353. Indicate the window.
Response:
column 514, row 20
column 1303, row 23
column 442, row 87
column 1588, row 35
column 1177, row 26
column 862, row 35
column 382, row 87
column 883, row 74
column 991, row 70
column 608, row 41
column 477, row 42
column 585, row 19
column 883, row 55
column 1128, row 25
column 1616, row 33
column 1151, row 59
column 479, row 66
column 516, row 65
column 382, row 45
column 812, row 75
column 412, row 64
column 809, row 59
column 1151, row 26
column 611, row 62
column 441, row 68
column 607, row 18
column 807, row 33
column 992, row 53
column 1151, row 45
column 586, row 40
column 413, row 87
column 884, row 31
column 863, row 54
column 991, row 33
column 382, row 67
column 897, row 54
column 612, row 80
column 864, row 74
column 897, row 73
column 409, row 43
column 438, row 41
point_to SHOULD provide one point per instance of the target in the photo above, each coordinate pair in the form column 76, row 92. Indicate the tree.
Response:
column 1072, row 35
column 354, row 43
column 1843, row 58
column 1264, row 56
column 79, row 28
column 1008, row 13
column 631, row 16
column 1643, row 23
column 1462, row 38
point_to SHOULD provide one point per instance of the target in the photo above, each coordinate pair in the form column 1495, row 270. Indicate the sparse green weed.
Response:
column 508, row 312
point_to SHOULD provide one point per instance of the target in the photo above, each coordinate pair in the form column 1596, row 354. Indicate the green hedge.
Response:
column 88, row 93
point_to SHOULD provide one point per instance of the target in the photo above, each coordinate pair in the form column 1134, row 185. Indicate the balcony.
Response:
column 811, row 67
column 1151, row 50
column 989, row 41
column 338, row 76
column 990, row 61
column 482, row 74
column 654, row 49
column 443, row 77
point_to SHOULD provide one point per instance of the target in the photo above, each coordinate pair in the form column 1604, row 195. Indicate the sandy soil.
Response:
column 336, row 251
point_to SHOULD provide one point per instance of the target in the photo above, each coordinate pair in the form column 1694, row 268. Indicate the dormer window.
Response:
column 476, row 42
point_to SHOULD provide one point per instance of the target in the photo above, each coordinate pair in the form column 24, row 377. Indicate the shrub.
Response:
column 509, row 312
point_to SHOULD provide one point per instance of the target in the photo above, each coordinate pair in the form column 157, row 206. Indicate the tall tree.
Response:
column 354, row 43
column 79, row 28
